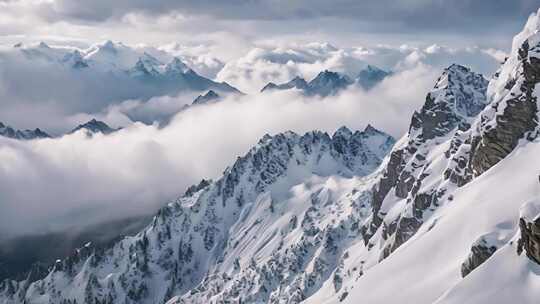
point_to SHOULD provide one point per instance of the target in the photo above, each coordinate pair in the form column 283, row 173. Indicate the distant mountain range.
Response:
column 330, row 83
column 10, row 132
column 121, row 61
column 90, row 127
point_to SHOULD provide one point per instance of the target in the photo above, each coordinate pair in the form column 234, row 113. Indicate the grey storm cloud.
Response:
column 428, row 14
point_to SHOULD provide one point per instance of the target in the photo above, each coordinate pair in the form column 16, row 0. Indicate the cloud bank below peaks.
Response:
column 279, row 64
column 77, row 181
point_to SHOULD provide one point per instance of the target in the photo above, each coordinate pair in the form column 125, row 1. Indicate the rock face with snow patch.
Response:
column 450, row 108
column 513, row 113
column 530, row 239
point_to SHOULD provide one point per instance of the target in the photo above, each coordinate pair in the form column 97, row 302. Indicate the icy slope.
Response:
column 429, row 264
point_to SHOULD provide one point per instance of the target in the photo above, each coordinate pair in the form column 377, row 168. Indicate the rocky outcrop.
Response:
column 456, row 99
column 481, row 250
column 514, row 110
column 530, row 239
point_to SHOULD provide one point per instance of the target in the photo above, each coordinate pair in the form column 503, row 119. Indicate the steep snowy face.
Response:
column 10, row 132
column 284, row 205
column 444, row 218
column 513, row 112
column 94, row 126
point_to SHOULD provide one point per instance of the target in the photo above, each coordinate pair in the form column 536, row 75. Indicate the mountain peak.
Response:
column 327, row 83
column 296, row 83
column 372, row 130
column 457, row 97
column 176, row 66
column 94, row 126
column 370, row 76
column 343, row 131
column 206, row 98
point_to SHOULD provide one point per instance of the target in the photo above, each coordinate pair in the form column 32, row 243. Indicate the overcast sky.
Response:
column 232, row 26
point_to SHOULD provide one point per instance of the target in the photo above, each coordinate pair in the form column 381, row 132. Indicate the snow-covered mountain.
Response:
column 94, row 126
column 328, row 219
column 330, row 83
column 209, row 229
column 10, row 132
column 122, row 61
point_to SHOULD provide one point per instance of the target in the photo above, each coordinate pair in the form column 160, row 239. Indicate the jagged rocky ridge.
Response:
column 204, row 231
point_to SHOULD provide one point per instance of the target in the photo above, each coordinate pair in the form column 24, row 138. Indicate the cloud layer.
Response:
column 280, row 64
column 74, row 181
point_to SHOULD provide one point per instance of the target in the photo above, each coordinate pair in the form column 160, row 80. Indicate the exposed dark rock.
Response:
column 481, row 250
column 519, row 118
column 196, row 188
column 530, row 239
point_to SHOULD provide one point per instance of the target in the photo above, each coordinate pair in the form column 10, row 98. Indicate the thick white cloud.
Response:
column 280, row 64
column 74, row 181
